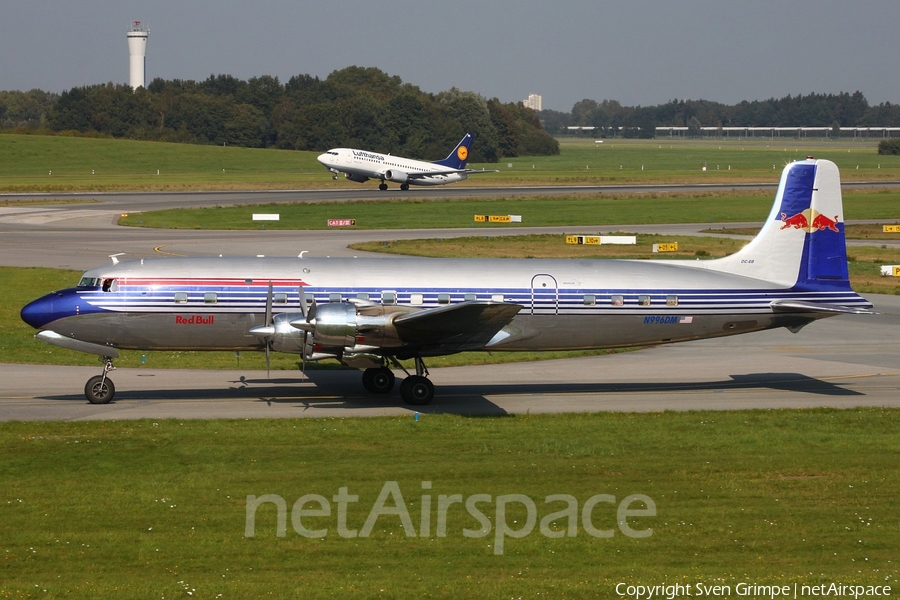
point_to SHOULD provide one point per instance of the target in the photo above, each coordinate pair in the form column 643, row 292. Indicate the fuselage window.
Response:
column 671, row 300
column 280, row 297
column 416, row 299
column 471, row 297
column 644, row 300
column 496, row 297
column 617, row 300
column 334, row 297
column 443, row 298
column 590, row 299
column 388, row 297
column 362, row 296
column 210, row 298
column 181, row 297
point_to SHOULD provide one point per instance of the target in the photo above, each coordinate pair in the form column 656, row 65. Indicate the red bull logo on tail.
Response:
column 822, row 222
column 809, row 220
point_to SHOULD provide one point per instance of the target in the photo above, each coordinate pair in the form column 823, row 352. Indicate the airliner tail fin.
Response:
column 802, row 242
column 458, row 157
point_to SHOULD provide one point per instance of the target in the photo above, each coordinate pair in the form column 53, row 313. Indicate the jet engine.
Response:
column 396, row 176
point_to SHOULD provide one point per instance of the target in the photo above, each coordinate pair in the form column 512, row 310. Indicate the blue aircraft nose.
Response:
column 39, row 312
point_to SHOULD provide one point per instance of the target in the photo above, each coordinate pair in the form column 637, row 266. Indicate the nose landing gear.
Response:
column 99, row 389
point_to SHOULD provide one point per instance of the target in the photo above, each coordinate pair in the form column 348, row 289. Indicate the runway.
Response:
column 841, row 362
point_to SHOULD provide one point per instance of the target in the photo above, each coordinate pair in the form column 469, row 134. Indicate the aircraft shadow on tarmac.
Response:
column 324, row 390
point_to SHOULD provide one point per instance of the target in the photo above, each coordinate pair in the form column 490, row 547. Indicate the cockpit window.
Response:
column 110, row 285
column 89, row 282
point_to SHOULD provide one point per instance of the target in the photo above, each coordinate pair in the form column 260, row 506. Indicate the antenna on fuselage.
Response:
column 114, row 259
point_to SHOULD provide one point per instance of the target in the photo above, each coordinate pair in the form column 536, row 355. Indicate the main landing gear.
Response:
column 99, row 389
column 383, row 187
column 416, row 390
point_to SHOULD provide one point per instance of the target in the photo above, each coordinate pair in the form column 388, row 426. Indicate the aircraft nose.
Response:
column 39, row 312
column 322, row 157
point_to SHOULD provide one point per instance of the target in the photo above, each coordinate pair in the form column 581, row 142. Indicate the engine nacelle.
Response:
column 335, row 325
column 356, row 178
column 343, row 325
column 396, row 176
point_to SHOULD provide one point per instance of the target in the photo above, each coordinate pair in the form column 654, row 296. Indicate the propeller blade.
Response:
column 303, row 353
column 312, row 311
column 303, row 307
column 269, row 305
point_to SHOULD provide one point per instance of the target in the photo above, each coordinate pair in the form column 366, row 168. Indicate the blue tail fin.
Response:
column 457, row 159
column 802, row 243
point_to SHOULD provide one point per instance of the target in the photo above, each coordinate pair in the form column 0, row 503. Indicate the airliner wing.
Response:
column 423, row 174
column 469, row 324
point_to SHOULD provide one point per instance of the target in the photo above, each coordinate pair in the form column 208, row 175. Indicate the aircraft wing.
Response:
column 468, row 325
column 424, row 174
column 783, row 306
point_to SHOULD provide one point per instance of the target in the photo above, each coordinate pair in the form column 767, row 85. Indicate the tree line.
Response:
column 365, row 107
column 353, row 107
column 813, row 110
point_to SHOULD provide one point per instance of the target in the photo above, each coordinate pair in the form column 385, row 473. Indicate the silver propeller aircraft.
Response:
column 363, row 165
column 372, row 312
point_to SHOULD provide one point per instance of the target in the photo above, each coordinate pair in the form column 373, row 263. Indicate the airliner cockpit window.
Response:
column 110, row 285
column 89, row 282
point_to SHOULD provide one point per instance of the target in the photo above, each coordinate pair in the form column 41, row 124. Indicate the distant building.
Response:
column 137, row 49
column 533, row 102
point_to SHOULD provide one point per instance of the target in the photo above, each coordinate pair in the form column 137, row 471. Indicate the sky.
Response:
column 637, row 52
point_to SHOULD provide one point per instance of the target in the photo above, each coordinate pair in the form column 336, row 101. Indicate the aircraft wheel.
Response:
column 382, row 187
column 98, row 391
column 404, row 187
column 378, row 381
column 417, row 390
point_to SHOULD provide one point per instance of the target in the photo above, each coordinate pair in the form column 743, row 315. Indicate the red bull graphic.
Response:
column 822, row 222
column 798, row 221
column 810, row 220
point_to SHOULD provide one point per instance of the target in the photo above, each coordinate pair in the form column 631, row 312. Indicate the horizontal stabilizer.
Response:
column 471, row 324
column 783, row 306
column 55, row 339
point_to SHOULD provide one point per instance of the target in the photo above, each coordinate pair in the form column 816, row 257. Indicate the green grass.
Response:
column 98, row 164
column 578, row 210
column 158, row 508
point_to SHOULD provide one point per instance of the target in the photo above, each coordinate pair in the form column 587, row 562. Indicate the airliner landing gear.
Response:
column 417, row 389
column 382, row 186
column 99, row 389
column 378, row 381
column 404, row 187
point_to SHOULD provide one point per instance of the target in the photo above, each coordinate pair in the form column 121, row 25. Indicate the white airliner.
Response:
column 362, row 165
column 371, row 312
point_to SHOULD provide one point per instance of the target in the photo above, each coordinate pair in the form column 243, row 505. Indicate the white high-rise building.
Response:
column 137, row 48
column 534, row 102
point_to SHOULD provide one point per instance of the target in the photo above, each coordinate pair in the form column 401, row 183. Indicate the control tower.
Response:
column 137, row 48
